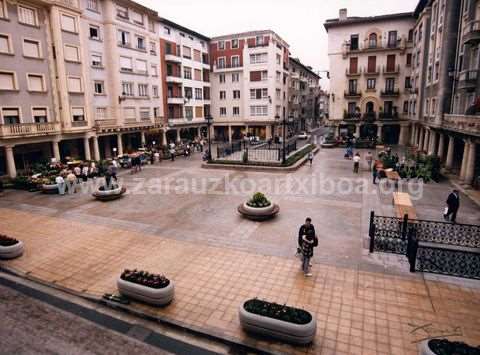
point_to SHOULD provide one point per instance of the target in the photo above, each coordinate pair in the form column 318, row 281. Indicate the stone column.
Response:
column 412, row 134
column 337, row 131
column 421, row 138
column 426, row 140
column 178, row 135
column 56, row 150
column 86, row 148
column 441, row 146
column 268, row 131
column 449, row 161
column 107, row 148
column 433, row 143
column 470, row 168
column 96, row 150
column 142, row 139
column 463, row 170
column 380, row 132
column 402, row 139
column 198, row 132
column 357, row 130
column 230, row 134
column 164, row 137
column 11, row 169
column 119, row 144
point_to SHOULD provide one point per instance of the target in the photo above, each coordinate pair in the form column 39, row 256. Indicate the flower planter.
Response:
column 141, row 286
column 256, row 209
column 108, row 195
column 50, row 188
column 453, row 347
column 278, row 329
column 11, row 251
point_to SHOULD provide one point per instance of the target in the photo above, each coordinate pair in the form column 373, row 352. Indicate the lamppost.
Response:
column 284, row 122
column 209, row 120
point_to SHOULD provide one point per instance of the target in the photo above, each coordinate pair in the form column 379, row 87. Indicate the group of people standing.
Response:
column 68, row 179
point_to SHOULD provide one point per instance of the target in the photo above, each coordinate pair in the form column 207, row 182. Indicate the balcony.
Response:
column 175, row 100
column 29, row 129
column 68, row 3
column 388, row 116
column 390, row 93
column 400, row 44
column 462, row 124
column 391, row 70
column 105, row 123
column 173, row 58
column 352, row 116
column 471, row 34
column 226, row 68
column 171, row 78
column 369, row 117
column 351, row 94
column 467, row 80
column 371, row 71
column 78, row 124
column 353, row 73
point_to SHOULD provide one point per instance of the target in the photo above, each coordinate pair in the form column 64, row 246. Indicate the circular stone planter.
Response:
column 50, row 188
column 11, row 251
column 278, row 329
column 424, row 348
column 328, row 145
column 258, row 213
column 108, row 195
column 154, row 296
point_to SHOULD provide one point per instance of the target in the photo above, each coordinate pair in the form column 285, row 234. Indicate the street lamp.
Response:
column 209, row 120
column 285, row 122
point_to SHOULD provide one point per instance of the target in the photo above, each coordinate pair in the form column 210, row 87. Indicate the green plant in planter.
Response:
column 277, row 311
column 446, row 347
column 7, row 241
column 258, row 200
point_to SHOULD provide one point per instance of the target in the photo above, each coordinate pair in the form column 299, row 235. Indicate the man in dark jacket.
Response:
column 453, row 203
column 305, row 229
column 307, row 240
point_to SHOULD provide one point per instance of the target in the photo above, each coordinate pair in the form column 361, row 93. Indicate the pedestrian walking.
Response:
column 85, row 173
column 306, row 228
column 172, row 153
column 356, row 163
column 114, row 169
column 310, row 158
column 453, row 204
column 60, row 181
column 374, row 174
column 369, row 160
column 77, row 171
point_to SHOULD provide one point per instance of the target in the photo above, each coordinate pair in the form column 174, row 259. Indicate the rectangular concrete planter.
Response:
column 11, row 251
column 278, row 329
column 153, row 296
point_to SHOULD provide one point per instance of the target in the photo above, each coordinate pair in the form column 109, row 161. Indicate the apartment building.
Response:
column 303, row 96
column 185, row 68
column 249, row 84
column 370, row 76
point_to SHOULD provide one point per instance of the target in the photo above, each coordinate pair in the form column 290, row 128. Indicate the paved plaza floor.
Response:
column 181, row 220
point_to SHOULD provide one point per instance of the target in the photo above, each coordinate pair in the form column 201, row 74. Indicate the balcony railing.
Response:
column 68, row 3
column 230, row 66
column 369, row 116
column 352, row 94
column 350, row 72
column 462, row 123
column 388, row 116
column 390, row 92
column 370, row 47
column 471, row 34
column 105, row 123
column 352, row 116
column 28, row 129
column 391, row 70
column 468, row 79
column 370, row 71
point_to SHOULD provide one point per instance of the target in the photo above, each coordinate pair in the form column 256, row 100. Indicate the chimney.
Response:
column 342, row 16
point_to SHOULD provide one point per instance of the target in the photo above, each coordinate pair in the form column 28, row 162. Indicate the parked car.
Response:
column 303, row 135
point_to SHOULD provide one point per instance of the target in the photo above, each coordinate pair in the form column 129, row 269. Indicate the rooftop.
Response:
column 249, row 34
column 183, row 29
column 337, row 22
column 305, row 67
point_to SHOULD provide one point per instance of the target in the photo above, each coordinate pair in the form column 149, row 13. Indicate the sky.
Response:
column 299, row 22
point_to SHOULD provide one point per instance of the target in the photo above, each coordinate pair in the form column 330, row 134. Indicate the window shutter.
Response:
column 31, row 49
column 4, row 47
column 125, row 63
column 35, row 83
column 7, row 81
column 141, row 65
column 68, row 23
column 74, row 85
column 71, row 53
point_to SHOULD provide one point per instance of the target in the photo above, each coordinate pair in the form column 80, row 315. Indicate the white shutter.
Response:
column 136, row 17
column 74, row 85
column 71, row 53
column 10, row 112
column 4, row 45
column 126, row 63
column 68, row 23
column 35, row 83
column 7, row 81
column 129, row 113
column 27, row 15
column 31, row 48
column 141, row 66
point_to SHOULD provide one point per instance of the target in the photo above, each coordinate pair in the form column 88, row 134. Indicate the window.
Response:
column 221, row 45
column 223, row 111
column 405, row 106
column 434, row 107
column 187, row 52
column 143, row 90
column 221, row 78
column 78, row 114
column 96, row 60
column 154, row 69
column 259, row 40
column 74, row 84
column 144, row 113
column 39, row 114
column 352, row 86
column 11, row 115
column 236, row 111
column 126, row 64
column 153, row 48
column 371, row 83
column 278, row 76
column 257, row 94
column 137, row 17
column 408, row 82
column 72, row 53
column 235, row 77
column 31, row 48
column 122, row 12
column 197, row 55
column 141, row 66
column 197, row 75
column 236, row 94
column 223, row 95
column 353, row 42
column 8, row 81
column 188, row 92
column 390, row 84
column 156, row 112
column 258, row 110
column 141, row 43
column 235, row 61
column 258, row 75
column 258, row 58
column 99, row 87
column 68, row 23
column 155, row 90
column 187, row 73
column 234, row 43
column 392, row 39
column 129, row 114
column 36, row 82
column 127, row 89
column 3, row 12
column 279, row 59
column 94, row 32
column 5, row 44
column 221, row 62
column 278, row 93
column 352, row 107
column 27, row 15
column 372, row 40
column 123, row 38
column 198, row 94
column 92, row 5
column 409, row 59
column 188, row 112
column 101, row 113
column 166, row 30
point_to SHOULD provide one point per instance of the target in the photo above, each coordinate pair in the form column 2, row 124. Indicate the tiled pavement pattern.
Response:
column 364, row 303
column 358, row 312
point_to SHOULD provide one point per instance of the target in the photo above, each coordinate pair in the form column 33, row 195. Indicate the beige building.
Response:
column 370, row 81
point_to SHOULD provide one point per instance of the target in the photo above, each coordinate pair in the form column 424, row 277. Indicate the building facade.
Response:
column 303, row 96
column 370, row 79
column 249, row 84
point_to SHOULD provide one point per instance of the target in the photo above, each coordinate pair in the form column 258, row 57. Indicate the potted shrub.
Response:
column 258, row 208
column 278, row 321
column 10, row 248
column 108, row 192
column 146, row 287
column 49, row 186
column 446, row 347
